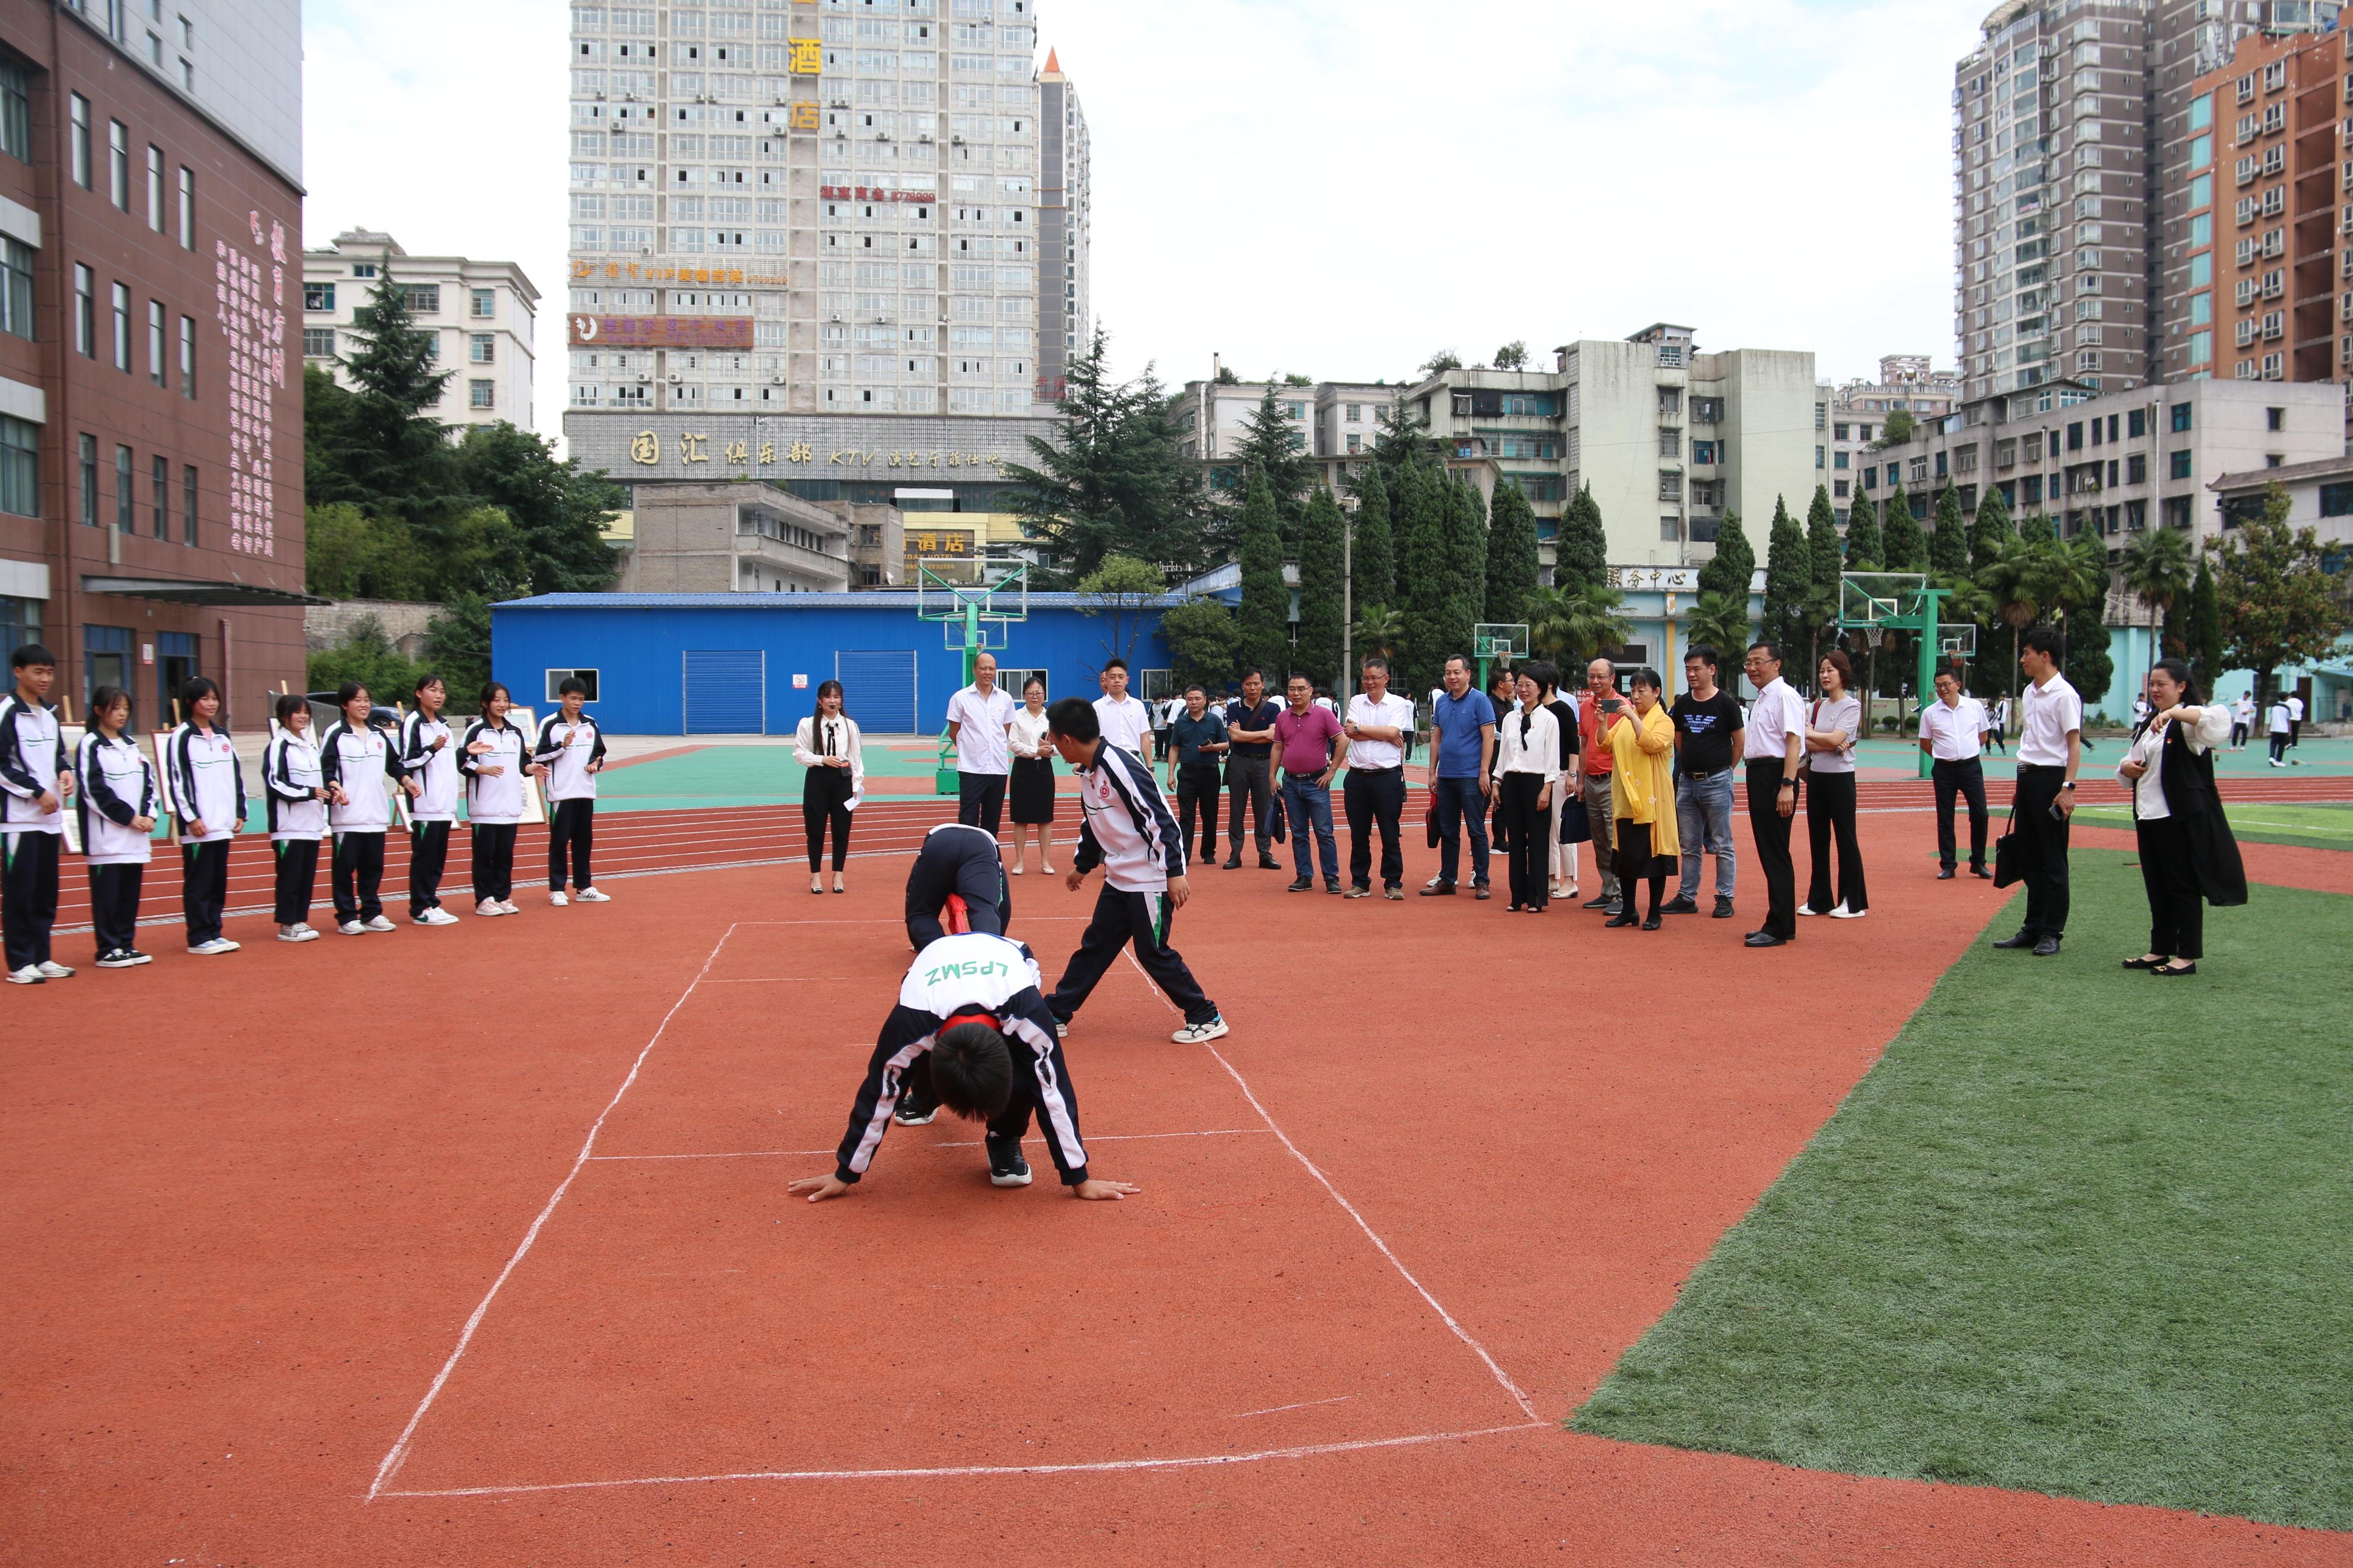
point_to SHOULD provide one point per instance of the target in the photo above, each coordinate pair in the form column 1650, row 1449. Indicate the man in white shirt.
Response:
column 1952, row 731
column 2279, row 727
column 1125, row 721
column 2242, row 720
column 2294, row 720
column 2050, row 751
column 1771, row 742
column 1377, row 724
column 978, row 718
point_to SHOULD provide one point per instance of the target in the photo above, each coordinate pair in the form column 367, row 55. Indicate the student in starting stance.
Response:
column 827, row 744
column 207, row 784
column 117, row 809
column 36, row 776
column 296, row 793
column 1126, row 828
column 956, row 884
column 971, row 1028
column 495, row 760
column 356, row 760
column 431, row 760
column 572, row 748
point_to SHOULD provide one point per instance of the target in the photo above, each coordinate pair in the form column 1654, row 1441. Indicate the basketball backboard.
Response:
column 974, row 614
column 1499, row 640
column 1867, row 598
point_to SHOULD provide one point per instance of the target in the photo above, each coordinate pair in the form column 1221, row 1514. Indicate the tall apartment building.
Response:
column 481, row 316
column 1065, row 169
column 150, row 218
column 1906, row 383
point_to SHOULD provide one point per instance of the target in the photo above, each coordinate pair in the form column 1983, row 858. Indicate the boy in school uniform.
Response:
column 971, row 1029
column 37, row 778
column 1124, row 828
column 429, row 755
column 956, row 884
column 572, row 749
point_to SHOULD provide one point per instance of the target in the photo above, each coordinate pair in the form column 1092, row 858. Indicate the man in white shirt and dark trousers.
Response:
column 1126, row 828
column 1771, row 742
column 1377, row 724
column 2050, row 751
column 979, row 717
column 1125, row 721
column 37, row 777
column 1953, row 731
column 2278, row 730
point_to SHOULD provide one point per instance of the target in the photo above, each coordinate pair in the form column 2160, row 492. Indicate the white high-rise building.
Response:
column 479, row 314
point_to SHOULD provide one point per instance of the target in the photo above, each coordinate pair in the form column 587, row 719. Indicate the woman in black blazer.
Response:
column 2187, row 853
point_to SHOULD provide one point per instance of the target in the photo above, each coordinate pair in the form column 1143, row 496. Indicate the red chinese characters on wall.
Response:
column 871, row 193
column 661, row 332
column 252, row 316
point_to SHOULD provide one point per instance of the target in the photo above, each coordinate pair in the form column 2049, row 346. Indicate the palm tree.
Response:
column 2158, row 571
column 1721, row 618
column 1379, row 630
column 2014, row 579
column 1574, row 625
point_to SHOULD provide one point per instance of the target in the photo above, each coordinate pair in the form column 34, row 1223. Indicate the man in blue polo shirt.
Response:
column 1463, row 753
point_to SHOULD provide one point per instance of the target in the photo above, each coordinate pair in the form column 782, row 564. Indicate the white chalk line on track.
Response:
column 974, row 1144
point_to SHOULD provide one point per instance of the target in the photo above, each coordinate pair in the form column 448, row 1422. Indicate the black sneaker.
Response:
column 912, row 1112
column 1600, row 904
column 1332, row 884
column 1614, row 908
column 1680, row 906
column 1006, row 1168
column 1304, row 885
column 1722, row 908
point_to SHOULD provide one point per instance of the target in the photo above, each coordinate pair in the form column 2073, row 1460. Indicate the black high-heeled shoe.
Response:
column 2168, row 970
column 1627, row 919
column 1651, row 924
column 2148, row 962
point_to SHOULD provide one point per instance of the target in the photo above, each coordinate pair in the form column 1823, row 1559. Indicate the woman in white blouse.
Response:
column 2187, row 853
column 1031, row 793
column 827, row 744
column 1527, row 773
column 1831, row 724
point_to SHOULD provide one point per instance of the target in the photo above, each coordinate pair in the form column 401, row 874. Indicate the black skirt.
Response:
column 1031, row 795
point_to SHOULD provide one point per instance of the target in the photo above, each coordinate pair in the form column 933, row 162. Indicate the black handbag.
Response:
column 2007, row 872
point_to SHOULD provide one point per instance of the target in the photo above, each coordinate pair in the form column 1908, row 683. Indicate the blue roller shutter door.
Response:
column 727, row 692
column 878, row 689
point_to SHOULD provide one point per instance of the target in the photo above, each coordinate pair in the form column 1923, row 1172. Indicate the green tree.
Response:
column 1373, row 549
column 1734, row 564
column 1948, row 547
column 1991, row 533
column 1901, row 426
column 1582, row 554
column 2157, row 570
column 458, row 649
column 1862, row 542
column 1277, row 448
column 1323, row 615
column 1401, row 442
column 1203, row 641
column 1266, row 600
column 1466, row 577
column 559, row 513
column 326, row 432
column 1513, row 355
column 1442, row 361
column 2206, row 628
column 1424, row 573
column 1788, row 573
column 1721, row 620
column 1114, row 482
column 1902, row 546
column 1379, row 630
column 1119, row 590
column 1825, row 562
column 2275, row 605
column 2091, row 663
column 385, row 452
column 1510, row 555
column 2037, row 529
column 1572, row 626
column 1991, row 529
column 365, row 655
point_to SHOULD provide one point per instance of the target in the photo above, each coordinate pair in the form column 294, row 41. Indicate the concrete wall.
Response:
column 1768, row 412
column 1617, row 421
column 327, row 626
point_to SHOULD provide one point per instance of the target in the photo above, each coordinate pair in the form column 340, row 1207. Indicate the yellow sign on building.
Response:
column 809, row 56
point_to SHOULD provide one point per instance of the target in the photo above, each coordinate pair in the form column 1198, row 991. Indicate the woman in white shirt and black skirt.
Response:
column 2187, row 853
column 827, row 744
column 1032, row 796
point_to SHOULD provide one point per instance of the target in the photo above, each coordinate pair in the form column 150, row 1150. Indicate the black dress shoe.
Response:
column 2048, row 947
column 1268, row 863
column 1304, row 885
column 1651, row 924
column 1626, row 919
column 1945, row 874
column 1679, row 907
column 1762, row 939
column 2147, row 963
column 1233, row 863
column 2023, row 939
column 2168, row 970
column 1600, row 904
column 1980, row 871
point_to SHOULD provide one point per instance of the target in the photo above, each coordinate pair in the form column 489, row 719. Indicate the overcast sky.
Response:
column 1334, row 187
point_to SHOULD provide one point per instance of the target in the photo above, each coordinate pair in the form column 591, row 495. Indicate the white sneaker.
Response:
column 378, row 923
column 591, row 895
column 507, row 907
column 29, row 975
column 437, row 916
column 214, row 948
column 1843, row 914
column 353, row 928
column 558, row 900
column 1809, row 910
column 55, row 970
column 1193, row 1033
column 297, row 933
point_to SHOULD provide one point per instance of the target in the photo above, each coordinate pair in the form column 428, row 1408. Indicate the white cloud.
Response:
column 1330, row 186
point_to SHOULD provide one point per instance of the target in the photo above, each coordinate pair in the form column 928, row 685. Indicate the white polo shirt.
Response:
column 1391, row 710
column 2295, row 710
column 980, row 736
column 2051, row 710
column 1778, row 713
column 1125, row 723
column 1955, row 734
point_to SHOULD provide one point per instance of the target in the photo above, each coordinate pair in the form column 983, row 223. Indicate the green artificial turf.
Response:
column 2303, row 827
column 2080, row 1231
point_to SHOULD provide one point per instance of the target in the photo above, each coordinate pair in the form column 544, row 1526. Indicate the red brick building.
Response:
column 151, row 417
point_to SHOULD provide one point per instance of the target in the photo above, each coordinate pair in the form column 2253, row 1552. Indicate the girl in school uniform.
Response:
column 430, row 757
column 117, row 805
column 208, row 796
column 494, row 760
column 827, row 744
column 296, row 792
column 357, row 762
column 572, row 749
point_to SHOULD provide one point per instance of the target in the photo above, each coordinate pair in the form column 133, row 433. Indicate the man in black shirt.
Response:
column 1198, row 739
column 1707, row 739
column 1250, row 740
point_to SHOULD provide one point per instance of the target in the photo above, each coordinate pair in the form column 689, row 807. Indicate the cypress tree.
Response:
column 2038, row 530
column 1826, row 553
column 1373, row 553
column 1862, row 542
column 1511, row 556
column 1466, row 550
column 1991, row 531
column 1272, row 444
column 2205, row 629
column 1948, row 547
column 1320, row 614
column 1990, row 534
column 1423, row 572
column 393, row 458
column 1902, row 545
column 1266, row 603
column 1789, row 572
column 1582, row 554
column 1734, row 564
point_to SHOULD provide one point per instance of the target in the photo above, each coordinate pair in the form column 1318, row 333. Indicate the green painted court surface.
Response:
column 742, row 775
column 2309, row 827
column 2316, row 756
column 2080, row 1231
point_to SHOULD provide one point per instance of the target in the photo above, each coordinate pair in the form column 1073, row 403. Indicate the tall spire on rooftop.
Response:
column 1053, row 71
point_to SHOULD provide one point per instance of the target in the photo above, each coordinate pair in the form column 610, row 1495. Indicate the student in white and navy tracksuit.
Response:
column 35, row 775
column 294, row 787
column 1125, row 826
column 206, row 785
column 572, row 748
column 958, row 862
column 428, row 751
column 494, row 760
column 970, row 978
column 358, row 763
column 116, row 808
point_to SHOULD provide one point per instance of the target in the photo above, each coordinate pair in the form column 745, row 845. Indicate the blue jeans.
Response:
column 1704, row 820
column 1305, row 803
column 1458, row 802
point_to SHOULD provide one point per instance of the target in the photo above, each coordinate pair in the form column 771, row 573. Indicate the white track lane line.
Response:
column 398, row 1453
column 975, row 1143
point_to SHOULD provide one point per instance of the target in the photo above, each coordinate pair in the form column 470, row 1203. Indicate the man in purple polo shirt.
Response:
column 1307, row 742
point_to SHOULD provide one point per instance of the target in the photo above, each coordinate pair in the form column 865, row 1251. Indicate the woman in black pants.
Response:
column 1527, row 780
column 1833, row 722
column 494, row 760
column 2187, row 853
column 827, row 744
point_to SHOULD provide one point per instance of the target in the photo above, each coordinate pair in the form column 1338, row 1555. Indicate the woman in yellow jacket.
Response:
column 1643, row 798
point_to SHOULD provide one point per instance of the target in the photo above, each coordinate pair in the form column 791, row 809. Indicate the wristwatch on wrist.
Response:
column 2069, row 784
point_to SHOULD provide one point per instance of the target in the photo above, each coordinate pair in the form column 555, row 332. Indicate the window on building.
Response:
column 2136, row 469
column 1670, row 486
column 318, row 342
column 187, row 209
column 1671, row 443
column 162, row 477
column 556, row 678
column 16, row 109
column 187, row 356
column 20, row 467
column 126, row 502
column 2177, row 464
column 1710, row 411
column 89, row 480
column 2136, row 422
column 118, row 164
column 2337, row 499
column 423, row 299
column 479, row 393
column 187, row 505
column 158, row 366
column 2276, row 419
column 2075, row 436
column 1842, row 460
column 85, row 312
column 481, row 348
column 2176, row 511
column 482, row 304
column 156, row 187
column 79, row 135
column 2179, row 416
column 122, row 327
column 1356, row 442
column 318, row 295
column 16, row 288
column 1838, row 487
column 1671, row 528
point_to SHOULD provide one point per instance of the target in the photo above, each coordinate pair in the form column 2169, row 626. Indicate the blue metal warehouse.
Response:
column 749, row 664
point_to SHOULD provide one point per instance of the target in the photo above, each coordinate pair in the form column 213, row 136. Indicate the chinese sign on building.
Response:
column 661, row 332
column 649, row 272
column 871, row 193
column 253, row 322
column 645, row 449
column 937, row 542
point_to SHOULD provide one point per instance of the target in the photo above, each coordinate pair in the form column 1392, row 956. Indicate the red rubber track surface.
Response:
column 256, row 1203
